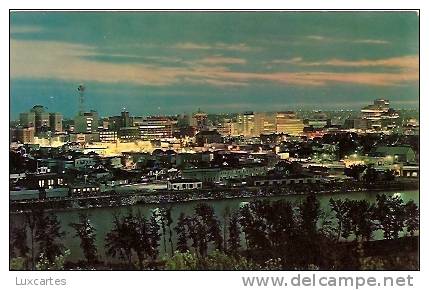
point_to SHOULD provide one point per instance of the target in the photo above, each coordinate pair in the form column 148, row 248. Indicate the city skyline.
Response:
column 176, row 62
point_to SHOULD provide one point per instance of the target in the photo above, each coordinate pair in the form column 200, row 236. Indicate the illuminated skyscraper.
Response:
column 56, row 122
column 288, row 123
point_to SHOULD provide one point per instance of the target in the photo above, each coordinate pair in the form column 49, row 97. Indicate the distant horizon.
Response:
column 157, row 63
column 67, row 117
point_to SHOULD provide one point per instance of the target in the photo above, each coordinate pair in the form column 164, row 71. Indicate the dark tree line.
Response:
column 292, row 236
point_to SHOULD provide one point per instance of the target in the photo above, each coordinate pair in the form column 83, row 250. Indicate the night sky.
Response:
column 175, row 62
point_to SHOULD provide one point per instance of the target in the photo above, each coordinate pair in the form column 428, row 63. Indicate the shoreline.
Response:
column 165, row 198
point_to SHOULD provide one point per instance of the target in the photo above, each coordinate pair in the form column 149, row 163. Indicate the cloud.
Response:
column 322, row 78
column 221, row 60
column 21, row 29
column 316, row 37
column 66, row 61
column 371, row 41
column 217, row 46
column 402, row 62
column 73, row 62
column 287, row 61
column 358, row 41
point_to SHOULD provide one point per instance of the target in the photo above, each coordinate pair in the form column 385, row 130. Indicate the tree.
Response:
column 361, row 222
column 31, row 218
column 308, row 240
column 19, row 241
column 181, row 234
column 370, row 175
column 48, row 232
column 280, row 222
column 204, row 228
column 390, row 214
column 234, row 235
column 411, row 217
column 119, row 241
column 254, row 224
column 389, row 175
column 140, row 238
column 226, row 217
column 163, row 221
column 169, row 222
column 355, row 171
column 154, row 235
column 85, row 231
column 341, row 209
column 310, row 213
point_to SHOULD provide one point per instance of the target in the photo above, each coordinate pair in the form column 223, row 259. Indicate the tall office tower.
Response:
column 226, row 128
column 156, row 127
column 27, row 119
column 287, row 122
column 86, row 122
column 200, row 120
column 104, row 124
column 25, row 135
column 246, row 124
column 41, row 119
column 265, row 123
column 126, row 120
column 56, row 122
column 115, row 123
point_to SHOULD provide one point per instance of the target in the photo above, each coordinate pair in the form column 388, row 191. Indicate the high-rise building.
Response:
column 246, row 124
column 41, row 119
column 156, row 127
column 115, row 123
column 56, row 122
column 288, row 123
column 86, row 122
column 265, row 123
column 126, row 120
column 25, row 135
column 200, row 120
column 226, row 127
column 27, row 119
column 379, row 115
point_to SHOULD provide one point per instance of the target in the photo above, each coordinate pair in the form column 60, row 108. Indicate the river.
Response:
column 101, row 218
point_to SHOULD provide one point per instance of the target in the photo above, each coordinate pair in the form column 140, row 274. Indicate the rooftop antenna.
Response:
column 81, row 90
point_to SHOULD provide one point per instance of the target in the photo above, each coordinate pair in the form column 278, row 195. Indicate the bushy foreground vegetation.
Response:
column 262, row 234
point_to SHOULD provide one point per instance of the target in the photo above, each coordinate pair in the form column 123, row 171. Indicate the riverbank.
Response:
column 114, row 199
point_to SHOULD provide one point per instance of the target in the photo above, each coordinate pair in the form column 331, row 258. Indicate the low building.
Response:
column 193, row 159
column 84, row 163
column 44, row 181
column 410, row 171
column 208, row 137
column 129, row 134
column 285, row 180
column 108, row 136
column 84, row 189
column 218, row 174
column 184, row 184
column 398, row 154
